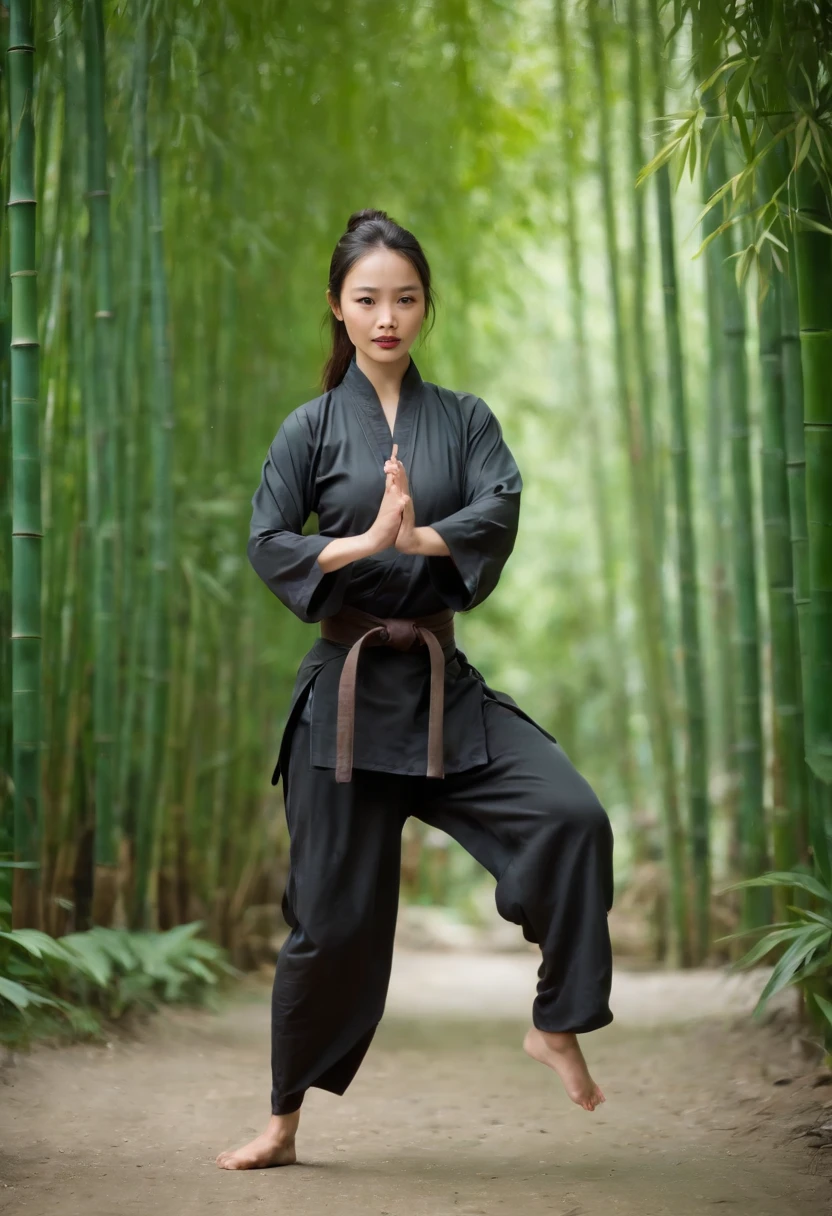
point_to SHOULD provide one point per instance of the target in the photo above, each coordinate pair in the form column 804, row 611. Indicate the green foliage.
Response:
column 83, row 979
column 770, row 91
column 806, row 961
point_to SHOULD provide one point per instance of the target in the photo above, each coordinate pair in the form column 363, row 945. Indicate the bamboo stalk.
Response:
column 27, row 535
column 798, row 795
column 699, row 827
column 132, row 391
column 159, row 616
column 724, row 733
column 647, row 588
column 787, row 758
column 751, row 826
column 813, row 260
column 6, row 784
column 620, row 729
column 107, row 829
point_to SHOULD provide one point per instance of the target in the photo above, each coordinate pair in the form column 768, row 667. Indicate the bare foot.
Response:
column 561, row 1052
column 275, row 1146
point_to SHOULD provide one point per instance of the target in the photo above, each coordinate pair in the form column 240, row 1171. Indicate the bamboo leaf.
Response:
column 744, row 264
column 36, row 943
column 817, row 137
column 786, row 878
column 775, row 240
column 806, row 221
column 824, row 1006
column 787, row 967
column 730, row 937
column 762, row 947
column 735, row 84
column 817, row 917
column 661, row 158
column 743, row 133
column 20, row 996
column 803, row 142
column 679, row 166
column 725, row 66
column 716, row 197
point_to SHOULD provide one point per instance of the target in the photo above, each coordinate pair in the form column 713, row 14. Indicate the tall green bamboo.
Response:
column 813, row 260
column 640, row 343
column 647, row 582
column 723, row 735
column 158, row 643
column 6, row 800
column 813, row 249
column 26, row 510
column 105, row 525
column 132, row 394
column 799, row 795
column 697, row 752
column 620, row 732
column 788, row 748
column 751, row 827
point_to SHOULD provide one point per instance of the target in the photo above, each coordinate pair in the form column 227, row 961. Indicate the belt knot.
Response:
column 400, row 633
column 354, row 628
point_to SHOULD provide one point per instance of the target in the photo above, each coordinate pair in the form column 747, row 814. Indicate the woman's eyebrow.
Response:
column 407, row 287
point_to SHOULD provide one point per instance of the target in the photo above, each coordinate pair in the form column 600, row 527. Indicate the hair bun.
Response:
column 362, row 217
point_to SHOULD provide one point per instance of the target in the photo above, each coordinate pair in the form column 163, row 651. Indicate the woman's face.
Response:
column 382, row 297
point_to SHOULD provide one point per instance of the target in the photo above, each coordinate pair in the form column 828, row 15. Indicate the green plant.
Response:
column 77, row 981
column 806, row 961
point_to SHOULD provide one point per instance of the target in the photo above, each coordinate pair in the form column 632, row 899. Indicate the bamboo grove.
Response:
column 176, row 177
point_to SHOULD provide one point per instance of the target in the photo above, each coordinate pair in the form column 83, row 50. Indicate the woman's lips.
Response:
column 387, row 341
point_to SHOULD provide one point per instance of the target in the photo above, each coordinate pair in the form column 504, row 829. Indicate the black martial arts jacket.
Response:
column 328, row 457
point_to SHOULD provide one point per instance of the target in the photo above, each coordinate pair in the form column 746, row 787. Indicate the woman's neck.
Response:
column 386, row 378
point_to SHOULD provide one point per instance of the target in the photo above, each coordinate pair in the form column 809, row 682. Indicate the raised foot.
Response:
column 562, row 1053
column 275, row 1146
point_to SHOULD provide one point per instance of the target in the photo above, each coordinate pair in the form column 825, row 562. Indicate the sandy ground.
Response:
column 705, row 1111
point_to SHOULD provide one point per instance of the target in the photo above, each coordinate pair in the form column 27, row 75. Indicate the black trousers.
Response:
column 527, row 816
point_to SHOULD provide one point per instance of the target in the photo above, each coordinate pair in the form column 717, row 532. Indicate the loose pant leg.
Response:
column 341, row 900
column 531, row 819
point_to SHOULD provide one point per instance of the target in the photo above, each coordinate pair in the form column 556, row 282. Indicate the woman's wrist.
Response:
column 342, row 550
column 426, row 542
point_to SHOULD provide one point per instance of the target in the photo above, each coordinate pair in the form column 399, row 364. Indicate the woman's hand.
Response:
column 395, row 467
column 407, row 539
column 385, row 528
column 410, row 539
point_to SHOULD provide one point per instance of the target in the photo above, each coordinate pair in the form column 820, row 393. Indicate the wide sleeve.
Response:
column 285, row 559
column 481, row 535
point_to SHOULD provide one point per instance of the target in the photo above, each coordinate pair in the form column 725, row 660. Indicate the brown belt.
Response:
column 354, row 628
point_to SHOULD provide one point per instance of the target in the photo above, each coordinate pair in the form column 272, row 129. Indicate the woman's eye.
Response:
column 368, row 299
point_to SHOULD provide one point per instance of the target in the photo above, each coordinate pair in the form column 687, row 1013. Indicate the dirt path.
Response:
column 447, row 1116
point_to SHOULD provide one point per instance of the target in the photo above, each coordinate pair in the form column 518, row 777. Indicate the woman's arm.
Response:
column 284, row 558
column 466, row 551
column 424, row 541
column 381, row 533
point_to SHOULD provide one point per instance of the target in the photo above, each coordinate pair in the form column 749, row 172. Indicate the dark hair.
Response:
column 367, row 230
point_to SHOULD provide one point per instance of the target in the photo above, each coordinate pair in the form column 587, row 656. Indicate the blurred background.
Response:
column 177, row 176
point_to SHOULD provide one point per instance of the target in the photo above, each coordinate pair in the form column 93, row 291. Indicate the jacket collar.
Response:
column 361, row 392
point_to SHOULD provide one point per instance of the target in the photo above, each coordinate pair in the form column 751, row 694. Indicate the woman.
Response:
column 418, row 498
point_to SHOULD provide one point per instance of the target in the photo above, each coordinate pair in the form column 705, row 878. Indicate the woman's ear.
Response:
column 333, row 304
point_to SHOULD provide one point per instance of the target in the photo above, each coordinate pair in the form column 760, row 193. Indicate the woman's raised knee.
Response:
column 585, row 815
